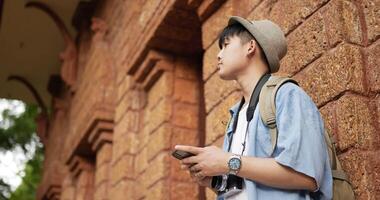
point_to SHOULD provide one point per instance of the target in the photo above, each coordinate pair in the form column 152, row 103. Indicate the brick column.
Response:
column 162, row 98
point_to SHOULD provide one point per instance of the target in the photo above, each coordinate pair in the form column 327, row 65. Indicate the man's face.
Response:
column 232, row 58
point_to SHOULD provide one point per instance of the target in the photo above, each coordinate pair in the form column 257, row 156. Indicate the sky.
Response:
column 13, row 162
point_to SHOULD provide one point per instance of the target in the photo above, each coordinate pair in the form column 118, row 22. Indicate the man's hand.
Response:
column 207, row 162
column 212, row 161
column 202, row 181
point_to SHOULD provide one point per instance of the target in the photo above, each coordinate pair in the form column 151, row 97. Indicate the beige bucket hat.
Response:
column 269, row 36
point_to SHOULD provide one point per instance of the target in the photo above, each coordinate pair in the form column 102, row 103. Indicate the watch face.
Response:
column 234, row 163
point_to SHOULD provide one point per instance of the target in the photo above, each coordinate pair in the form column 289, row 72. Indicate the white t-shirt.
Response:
column 237, row 147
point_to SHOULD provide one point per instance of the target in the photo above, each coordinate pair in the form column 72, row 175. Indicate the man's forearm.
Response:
column 268, row 172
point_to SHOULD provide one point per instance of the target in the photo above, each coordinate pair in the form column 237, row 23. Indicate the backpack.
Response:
column 342, row 188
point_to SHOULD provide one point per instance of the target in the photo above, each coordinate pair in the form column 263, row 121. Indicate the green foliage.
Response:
column 18, row 130
column 4, row 189
column 28, row 186
column 21, row 128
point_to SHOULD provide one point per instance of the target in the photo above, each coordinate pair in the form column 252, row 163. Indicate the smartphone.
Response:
column 179, row 154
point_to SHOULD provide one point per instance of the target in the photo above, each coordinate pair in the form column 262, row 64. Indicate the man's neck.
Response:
column 248, row 81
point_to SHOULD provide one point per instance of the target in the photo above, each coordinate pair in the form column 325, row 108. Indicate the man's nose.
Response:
column 218, row 56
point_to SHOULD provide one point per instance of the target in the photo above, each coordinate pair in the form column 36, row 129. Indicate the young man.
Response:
column 299, row 167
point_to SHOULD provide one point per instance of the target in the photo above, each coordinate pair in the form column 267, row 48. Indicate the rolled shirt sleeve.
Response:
column 300, row 143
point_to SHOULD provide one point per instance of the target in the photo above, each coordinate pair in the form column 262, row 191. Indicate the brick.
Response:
column 217, row 89
column 122, row 108
column 219, row 115
column 218, row 142
column 102, row 174
column 132, row 100
column 210, row 195
column 337, row 71
column 342, row 22
column 119, row 145
column 103, row 155
column 176, row 173
column 141, row 162
column 139, row 191
column 328, row 113
column 214, row 24
column 185, row 115
column 85, row 185
column 186, row 68
column 288, row 14
column 122, row 124
column 362, row 169
column 180, row 190
column 377, row 103
column 372, row 18
column 159, row 140
column 122, row 190
column 127, row 84
column 122, row 168
column 159, row 114
column 305, row 44
column 136, row 99
column 186, row 91
column 262, row 11
column 185, row 136
column 163, row 87
column 148, row 11
column 160, row 190
column 158, row 169
column 133, row 120
column 351, row 21
column 355, row 125
column 101, row 192
column 244, row 7
column 131, row 143
column 373, row 69
column 68, row 189
column 210, row 60
column 144, row 136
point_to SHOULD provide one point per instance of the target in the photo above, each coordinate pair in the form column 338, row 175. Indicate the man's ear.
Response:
column 251, row 48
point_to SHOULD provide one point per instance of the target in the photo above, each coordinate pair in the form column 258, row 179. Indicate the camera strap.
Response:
column 251, row 109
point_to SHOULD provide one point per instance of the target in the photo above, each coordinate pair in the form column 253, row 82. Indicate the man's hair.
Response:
column 240, row 31
column 232, row 30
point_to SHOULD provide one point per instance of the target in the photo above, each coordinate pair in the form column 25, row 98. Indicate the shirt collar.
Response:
column 235, row 107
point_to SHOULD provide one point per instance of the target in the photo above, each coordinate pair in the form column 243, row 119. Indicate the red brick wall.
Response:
column 147, row 81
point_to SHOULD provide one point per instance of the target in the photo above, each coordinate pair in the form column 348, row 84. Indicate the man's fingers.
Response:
column 191, row 149
column 186, row 166
column 195, row 168
column 190, row 160
column 195, row 178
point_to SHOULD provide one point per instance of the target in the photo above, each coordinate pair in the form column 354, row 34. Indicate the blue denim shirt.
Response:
column 300, row 144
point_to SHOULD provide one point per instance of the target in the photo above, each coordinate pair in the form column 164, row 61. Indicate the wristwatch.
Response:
column 234, row 164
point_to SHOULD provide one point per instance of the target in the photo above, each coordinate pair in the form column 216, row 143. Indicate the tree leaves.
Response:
column 19, row 130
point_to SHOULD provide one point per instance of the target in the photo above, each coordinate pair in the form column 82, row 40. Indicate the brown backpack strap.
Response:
column 337, row 170
column 267, row 104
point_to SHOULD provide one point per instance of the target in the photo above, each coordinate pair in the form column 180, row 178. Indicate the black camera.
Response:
column 227, row 185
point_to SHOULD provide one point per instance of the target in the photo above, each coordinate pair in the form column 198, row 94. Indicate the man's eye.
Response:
column 225, row 44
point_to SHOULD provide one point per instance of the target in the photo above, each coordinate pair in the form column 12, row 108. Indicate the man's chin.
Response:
column 224, row 76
